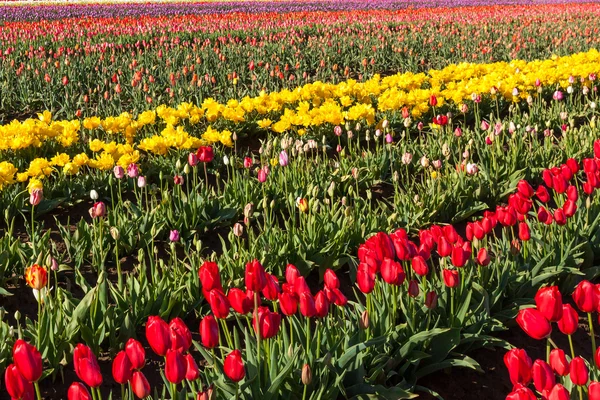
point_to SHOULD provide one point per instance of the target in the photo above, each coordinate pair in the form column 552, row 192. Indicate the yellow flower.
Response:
column 274, row 161
column 60, row 160
column 22, row 177
column 70, row 168
column 81, row 159
column 434, row 174
column 7, row 173
column 91, row 123
column 264, row 123
column 45, row 116
column 34, row 184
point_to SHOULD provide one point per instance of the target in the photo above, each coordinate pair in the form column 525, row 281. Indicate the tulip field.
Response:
column 383, row 199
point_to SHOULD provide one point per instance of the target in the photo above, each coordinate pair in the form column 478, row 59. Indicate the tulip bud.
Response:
column 306, row 375
column 533, row 322
column 364, row 320
column 578, row 371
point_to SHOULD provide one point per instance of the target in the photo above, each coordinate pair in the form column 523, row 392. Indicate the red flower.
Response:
column 255, row 276
column 559, row 392
column 78, row 391
column 175, row 366
column 392, row 272
column 288, row 303
column 558, row 362
column 433, row 100
column 542, row 194
column 209, row 277
column 519, row 366
column 321, row 305
column 86, row 366
column 218, row 303
column 209, row 332
column 549, row 302
column 525, row 189
column 158, row 335
column 239, row 301
column 331, row 280
column 233, row 366
column 569, row 320
column 483, row 258
column 585, row 297
column 451, row 278
column 534, row 323
column 136, row 353
column 521, row 393
column 269, row 323
column 569, row 208
column 291, row 273
column 524, row 233
column 121, row 368
column 205, row 154
column 271, row 289
column 28, row 360
column 307, row 305
column 16, row 385
column 578, row 371
column 140, row 385
column 593, row 391
column 444, row 247
column 543, row 377
column 365, row 279
column 459, row 256
column 431, row 300
column 192, row 372
column 419, row 266
column 181, row 337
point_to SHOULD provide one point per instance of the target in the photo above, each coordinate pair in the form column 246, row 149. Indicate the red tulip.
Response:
column 549, row 302
column 269, row 323
column 558, row 362
column 525, row 189
column 86, row 366
column 559, row 217
column 136, row 353
column 239, row 301
column 16, row 385
column 524, row 232
column 158, row 335
column 431, row 300
column 175, row 366
column 569, row 208
column 593, row 391
column 413, row 288
column 433, row 100
column 78, row 391
column 218, row 303
column 444, row 247
column 233, row 366
column 209, row 277
column 483, row 258
column 255, row 276
column 573, row 165
column 519, row 366
column 291, row 273
column 543, row 377
column 569, row 320
column 459, row 256
column 534, row 323
column 307, row 305
column 192, row 372
column 451, row 278
column 321, row 305
column 288, row 303
column 365, row 279
column 392, row 272
column 597, row 149
column 578, row 371
column 542, row 194
column 121, row 368
column 331, row 280
column 271, row 289
column 419, row 265
column 559, row 392
column 205, row 154
column 181, row 337
column 140, row 385
column 521, row 393
column 28, row 360
column 585, row 297
column 209, row 332
column 300, row 286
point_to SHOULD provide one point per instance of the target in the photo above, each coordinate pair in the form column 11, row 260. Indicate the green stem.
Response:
column 548, row 350
column 571, row 345
column 257, row 333
column 39, row 327
column 592, row 332
column 37, row 390
column 307, row 337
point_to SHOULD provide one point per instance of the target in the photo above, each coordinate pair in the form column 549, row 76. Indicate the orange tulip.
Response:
column 36, row 277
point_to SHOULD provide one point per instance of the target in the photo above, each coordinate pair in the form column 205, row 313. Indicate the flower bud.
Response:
column 306, row 375
column 364, row 320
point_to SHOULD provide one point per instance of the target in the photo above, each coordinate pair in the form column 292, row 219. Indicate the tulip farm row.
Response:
column 307, row 200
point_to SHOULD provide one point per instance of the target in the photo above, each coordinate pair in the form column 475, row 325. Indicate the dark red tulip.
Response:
column 483, row 258
column 255, row 276
column 158, row 335
column 559, row 392
column 136, row 353
column 321, row 305
column 16, row 385
column 578, row 371
column 335, row 296
column 307, row 305
column 542, row 194
column 365, row 279
column 549, row 302
column 288, row 303
column 331, row 280
column 431, row 300
column 140, row 385
column 78, row 391
column 543, row 377
column 218, row 303
column 573, row 165
column 269, row 323
column 450, row 233
column 239, row 301
column 271, row 289
column 521, row 393
column 559, row 217
column 121, row 368
column 558, row 362
column 28, row 360
column 209, row 332
column 86, row 366
column 569, row 320
column 451, row 278
column 519, row 366
column 597, row 149
column 205, row 154
column 534, row 323
column 413, row 288
column 192, row 372
column 175, row 366
column 233, row 366
column 593, row 391
column 392, row 272
column 585, row 297
column 181, row 337
column 433, row 100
